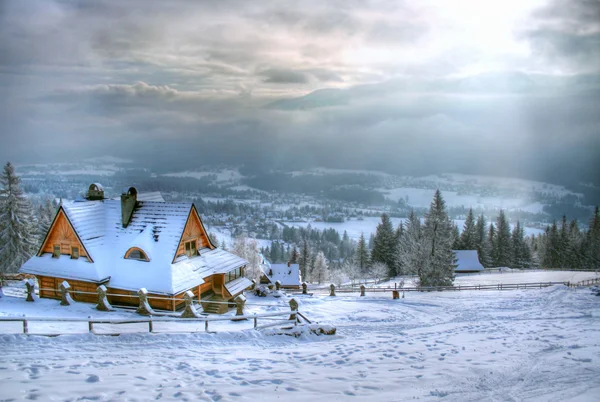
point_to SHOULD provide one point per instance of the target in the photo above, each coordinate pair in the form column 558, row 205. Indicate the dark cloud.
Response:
column 282, row 76
column 567, row 32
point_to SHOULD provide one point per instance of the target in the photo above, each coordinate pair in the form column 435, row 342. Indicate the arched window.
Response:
column 136, row 253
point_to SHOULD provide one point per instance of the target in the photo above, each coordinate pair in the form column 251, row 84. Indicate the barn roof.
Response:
column 155, row 227
column 467, row 261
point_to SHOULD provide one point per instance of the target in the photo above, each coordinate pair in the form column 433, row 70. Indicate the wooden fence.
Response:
column 499, row 286
column 273, row 317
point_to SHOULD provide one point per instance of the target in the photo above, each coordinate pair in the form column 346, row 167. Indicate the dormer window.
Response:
column 56, row 251
column 135, row 253
column 74, row 252
column 190, row 248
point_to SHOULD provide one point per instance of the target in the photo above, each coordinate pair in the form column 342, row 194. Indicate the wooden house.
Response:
column 132, row 243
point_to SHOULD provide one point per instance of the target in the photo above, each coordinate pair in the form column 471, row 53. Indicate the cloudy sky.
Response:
column 417, row 86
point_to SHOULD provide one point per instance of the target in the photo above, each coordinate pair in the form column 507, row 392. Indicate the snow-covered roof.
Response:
column 237, row 285
column 147, row 196
column 467, row 261
column 286, row 275
column 155, row 227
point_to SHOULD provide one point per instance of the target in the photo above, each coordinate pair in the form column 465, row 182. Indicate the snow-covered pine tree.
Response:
column 491, row 240
column 502, row 245
column 437, row 241
column 384, row 245
column 521, row 251
column 18, row 231
column 294, row 256
column 409, row 255
column 304, row 260
column 455, row 237
column 361, row 255
column 319, row 272
column 469, row 236
column 592, row 242
column 481, row 244
column 45, row 215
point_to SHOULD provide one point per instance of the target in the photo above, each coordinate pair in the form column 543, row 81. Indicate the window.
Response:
column 56, row 252
column 136, row 254
column 74, row 252
column 190, row 248
column 236, row 273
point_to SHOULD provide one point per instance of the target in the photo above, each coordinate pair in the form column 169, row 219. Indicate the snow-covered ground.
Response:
column 540, row 344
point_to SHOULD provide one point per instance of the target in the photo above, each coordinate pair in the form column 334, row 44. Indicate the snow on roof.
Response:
column 467, row 261
column 237, row 285
column 147, row 196
column 155, row 227
column 287, row 276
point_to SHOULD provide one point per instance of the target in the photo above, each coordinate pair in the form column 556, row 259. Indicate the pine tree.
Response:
column 437, row 245
column 294, row 256
column 502, row 245
column 521, row 251
column 319, row 272
column 592, row 242
column 469, row 235
column 384, row 245
column 481, row 243
column 18, row 233
column 361, row 255
column 45, row 215
column 491, row 240
column 455, row 237
column 409, row 255
column 304, row 260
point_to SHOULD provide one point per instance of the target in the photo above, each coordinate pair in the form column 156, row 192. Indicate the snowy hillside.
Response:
column 463, row 346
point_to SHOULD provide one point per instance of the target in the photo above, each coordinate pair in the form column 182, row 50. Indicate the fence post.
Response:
column 30, row 290
column 395, row 294
column 255, row 321
column 103, row 304
column 362, row 290
column 190, row 309
column 332, row 290
column 240, row 302
column 65, row 294
column 294, row 307
column 25, row 328
column 150, row 325
column 206, row 325
column 304, row 286
column 144, row 308
column 90, row 324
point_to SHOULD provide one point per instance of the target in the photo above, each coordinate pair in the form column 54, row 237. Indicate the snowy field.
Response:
column 540, row 344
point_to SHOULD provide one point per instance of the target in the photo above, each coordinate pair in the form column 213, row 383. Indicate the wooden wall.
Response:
column 62, row 233
column 49, row 282
column 193, row 231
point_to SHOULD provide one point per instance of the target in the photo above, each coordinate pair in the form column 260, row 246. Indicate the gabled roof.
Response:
column 286, row 275
column 467, row 261
column 155, row 227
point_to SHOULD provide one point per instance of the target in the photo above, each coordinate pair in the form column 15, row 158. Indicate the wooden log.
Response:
column 143, row 307
column 29, row 284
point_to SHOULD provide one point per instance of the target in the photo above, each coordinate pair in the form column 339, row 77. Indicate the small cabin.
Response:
column 130, row 243
column 467, row 261
column 287, row 274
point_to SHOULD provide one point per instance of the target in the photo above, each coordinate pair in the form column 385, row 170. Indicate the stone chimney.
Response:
column 95, row 192
column 128, row 204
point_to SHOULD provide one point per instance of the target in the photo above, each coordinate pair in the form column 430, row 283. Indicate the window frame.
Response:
column 75, row 252
column 143, row 255
column 187, row 248
column 55, row 247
